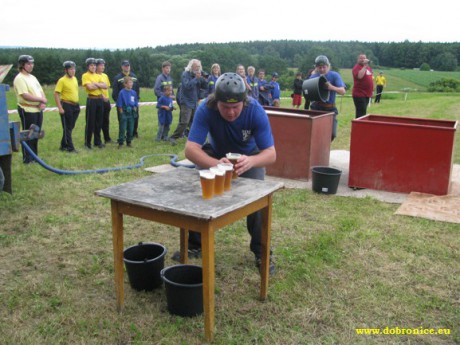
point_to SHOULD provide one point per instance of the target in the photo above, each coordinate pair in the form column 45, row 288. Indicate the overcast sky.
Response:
column 149, row 23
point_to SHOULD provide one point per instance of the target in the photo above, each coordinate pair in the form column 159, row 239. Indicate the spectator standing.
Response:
column 363, row 85
column 275, row 91
column 31, row 101
column 334, row 84
column 163, row 79
column 242, row 73
column 67, row 102
column 297, row 92
column 127, row 105
column 265, row 96
column 118, row 85
column 215, row 74
column 100, row 68
column 93, row 84
column 253, row 82
column 165, row 107
column 190, row 86
column 380, row 82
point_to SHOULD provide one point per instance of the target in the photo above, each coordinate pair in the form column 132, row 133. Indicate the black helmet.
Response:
column 100, row 61
column 230, row 88
column 322, row 60
column 90, row 61
column 68, row 64
column 24, row 59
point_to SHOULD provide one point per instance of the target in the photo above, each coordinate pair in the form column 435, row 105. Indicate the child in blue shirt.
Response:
column 165, row 108
column 127, row 104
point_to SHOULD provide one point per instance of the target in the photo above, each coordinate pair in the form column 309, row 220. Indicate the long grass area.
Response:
column 343, row 264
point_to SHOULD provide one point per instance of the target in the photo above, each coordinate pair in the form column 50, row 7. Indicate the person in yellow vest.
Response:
column 381, row 82
column 100, row 68
column 31, row 102
column 67, row 101
column 93, row 84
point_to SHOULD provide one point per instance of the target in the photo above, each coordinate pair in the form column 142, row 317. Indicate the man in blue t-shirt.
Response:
column 334, row 85
column 230, row 121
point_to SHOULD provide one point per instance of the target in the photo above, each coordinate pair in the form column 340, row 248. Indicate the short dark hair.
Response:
column 166, row 63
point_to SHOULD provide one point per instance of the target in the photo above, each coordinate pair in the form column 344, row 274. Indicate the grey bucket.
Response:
column 325, row 180
column 184, row 289
column 144, row 263
column 315, row 89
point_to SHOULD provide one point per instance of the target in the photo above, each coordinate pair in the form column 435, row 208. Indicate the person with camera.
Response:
column 363, row 85
column 191, row 84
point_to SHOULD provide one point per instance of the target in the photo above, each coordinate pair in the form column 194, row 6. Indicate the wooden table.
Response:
column 174, row 198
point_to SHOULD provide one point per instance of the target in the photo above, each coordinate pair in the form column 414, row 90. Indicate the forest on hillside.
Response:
column 280, row 56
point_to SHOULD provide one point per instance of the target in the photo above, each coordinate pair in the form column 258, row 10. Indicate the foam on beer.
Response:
column 207, row 174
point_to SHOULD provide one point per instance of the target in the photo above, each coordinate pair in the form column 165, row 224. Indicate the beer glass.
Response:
column 219, row 180
column 233, row 157
column 207, row 183
column 228, row 168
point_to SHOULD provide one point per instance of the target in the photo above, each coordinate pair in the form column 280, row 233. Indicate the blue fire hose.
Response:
column 173, row 162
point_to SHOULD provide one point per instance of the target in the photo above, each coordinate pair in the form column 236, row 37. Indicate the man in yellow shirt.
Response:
column 100, row 68
column 380, row 81
column 67, row 101
column 93, row 84
column 31, row 101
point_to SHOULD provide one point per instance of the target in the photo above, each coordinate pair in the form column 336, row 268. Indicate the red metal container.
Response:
column 302, row 140
column 401, row 154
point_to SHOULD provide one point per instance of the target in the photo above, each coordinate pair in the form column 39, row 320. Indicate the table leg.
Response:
column 183, row 246
column 207, row 248
column 117, row 239
column 266, row 235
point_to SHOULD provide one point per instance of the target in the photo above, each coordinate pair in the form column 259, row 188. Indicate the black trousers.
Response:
column 94, row 110
column 361, row 104
column 28, row 119
column 253, row 221
column 136, row 123
column 379, row 91
column 68, row 120
column 106, row 121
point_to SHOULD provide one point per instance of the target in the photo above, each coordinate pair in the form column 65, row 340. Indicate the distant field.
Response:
column 398, row 79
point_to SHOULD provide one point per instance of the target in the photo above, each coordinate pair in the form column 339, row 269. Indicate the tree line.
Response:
column 273, row 56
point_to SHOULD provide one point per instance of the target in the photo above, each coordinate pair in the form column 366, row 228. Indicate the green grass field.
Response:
column 342, row 263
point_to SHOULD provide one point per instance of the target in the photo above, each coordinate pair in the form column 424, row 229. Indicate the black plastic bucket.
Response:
column 184, row 289
column 315, row 89
column 325, row 180
column 144, row 263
